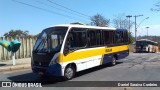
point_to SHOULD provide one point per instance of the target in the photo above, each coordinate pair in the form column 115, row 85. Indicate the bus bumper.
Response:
column 53, row 70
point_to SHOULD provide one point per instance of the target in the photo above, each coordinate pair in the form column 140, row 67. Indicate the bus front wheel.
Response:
column 69, row 72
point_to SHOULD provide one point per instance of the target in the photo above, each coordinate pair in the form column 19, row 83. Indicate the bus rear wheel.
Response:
column 69, row 72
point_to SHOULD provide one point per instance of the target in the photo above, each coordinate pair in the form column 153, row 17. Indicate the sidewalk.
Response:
column 24, row 63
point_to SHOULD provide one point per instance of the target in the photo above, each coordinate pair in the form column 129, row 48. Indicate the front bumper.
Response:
column 53, row 70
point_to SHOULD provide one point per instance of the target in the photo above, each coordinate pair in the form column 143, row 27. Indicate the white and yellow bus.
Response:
column 63, row 50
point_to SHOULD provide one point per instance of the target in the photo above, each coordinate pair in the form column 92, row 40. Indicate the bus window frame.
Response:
column 110, row 39
column 100, row 42
column 67, row 42
column 124, row 33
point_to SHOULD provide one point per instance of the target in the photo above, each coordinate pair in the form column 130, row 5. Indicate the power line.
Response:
column 67, row 8
column 57, row 8
column 66, row 16
column 141, row 32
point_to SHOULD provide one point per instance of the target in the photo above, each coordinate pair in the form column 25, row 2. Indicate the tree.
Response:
column 16, row 33
column 131, row 38
column 33, row 36
column 20, row 33
column 156, row 7
column 99, row 20
column 120, row 21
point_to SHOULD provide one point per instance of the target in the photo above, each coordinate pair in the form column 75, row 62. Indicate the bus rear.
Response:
column 145, row 45
column 141, row 46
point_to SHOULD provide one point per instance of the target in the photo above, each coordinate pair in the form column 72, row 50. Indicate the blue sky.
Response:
column 18, row 16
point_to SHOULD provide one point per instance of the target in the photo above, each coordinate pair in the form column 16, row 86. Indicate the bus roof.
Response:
column 85, row 26
column 147, row 40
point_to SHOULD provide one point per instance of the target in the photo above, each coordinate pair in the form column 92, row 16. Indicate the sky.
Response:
column 35, row 16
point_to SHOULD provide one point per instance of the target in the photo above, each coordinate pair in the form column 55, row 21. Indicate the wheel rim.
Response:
column 69, row 73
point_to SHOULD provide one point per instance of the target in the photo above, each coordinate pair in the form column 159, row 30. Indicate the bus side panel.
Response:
column 107, row 58
column 84, row 58
column 123, row 54
column 83, row 63
column 120, row 55
column 118, row 51
column 87, row 58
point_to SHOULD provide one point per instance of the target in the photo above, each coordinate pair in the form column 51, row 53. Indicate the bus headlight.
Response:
column 54, row 59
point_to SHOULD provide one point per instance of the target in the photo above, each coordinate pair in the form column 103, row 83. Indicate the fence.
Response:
column 25, row 50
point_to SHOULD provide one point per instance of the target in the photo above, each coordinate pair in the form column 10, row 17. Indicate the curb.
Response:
column 16, row 67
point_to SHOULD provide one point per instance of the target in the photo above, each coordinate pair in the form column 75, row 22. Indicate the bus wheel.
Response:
column 69, row 72
column 113, row 61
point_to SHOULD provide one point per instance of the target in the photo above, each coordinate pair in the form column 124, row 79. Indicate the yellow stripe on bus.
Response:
column 90, row 53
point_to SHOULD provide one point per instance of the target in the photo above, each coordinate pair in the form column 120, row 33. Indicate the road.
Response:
column 136, row 67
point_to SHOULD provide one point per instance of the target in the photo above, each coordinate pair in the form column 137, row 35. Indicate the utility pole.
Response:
column 136, row 26
column 129, row 16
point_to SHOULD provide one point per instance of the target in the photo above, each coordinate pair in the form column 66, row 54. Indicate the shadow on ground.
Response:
column 52, row 81
column 94, row 69
column 3, row 65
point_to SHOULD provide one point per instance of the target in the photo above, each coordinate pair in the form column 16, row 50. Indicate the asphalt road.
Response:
column 136, row 67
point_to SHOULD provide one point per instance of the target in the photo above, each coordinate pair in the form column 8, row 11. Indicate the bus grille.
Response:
column 45, row 64
column 42, row 60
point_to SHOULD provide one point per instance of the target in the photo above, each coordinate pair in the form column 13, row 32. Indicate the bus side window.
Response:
column 77, row 38
column 72, row 42
column 106, row 38
column 94, row 37
column 118, row 39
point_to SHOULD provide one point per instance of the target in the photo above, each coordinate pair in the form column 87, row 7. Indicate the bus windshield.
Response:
column 139, row 43
column 50, row 40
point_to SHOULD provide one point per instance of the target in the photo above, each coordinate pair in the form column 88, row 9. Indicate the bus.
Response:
column 145, row 45
column 63, row 50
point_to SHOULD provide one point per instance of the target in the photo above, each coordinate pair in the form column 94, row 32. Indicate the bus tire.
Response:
column 69, row 72
column 113, row 62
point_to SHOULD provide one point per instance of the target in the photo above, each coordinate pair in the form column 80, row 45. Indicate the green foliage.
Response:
column 32, row 36
column 16, row 33
column 19, row 33
column 131, row 38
